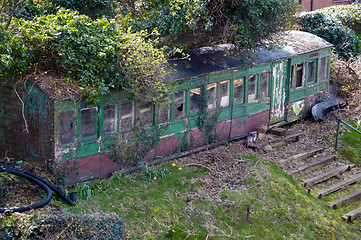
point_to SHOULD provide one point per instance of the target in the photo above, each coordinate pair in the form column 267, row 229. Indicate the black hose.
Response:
column 51, row 186
column 40, row 183
column 47, row 186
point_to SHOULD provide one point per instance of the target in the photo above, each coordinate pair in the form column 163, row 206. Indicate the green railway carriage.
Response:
column 236, row 91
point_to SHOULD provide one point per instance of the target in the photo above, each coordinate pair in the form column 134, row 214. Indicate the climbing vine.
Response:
column 129, row 149
column 207, row 120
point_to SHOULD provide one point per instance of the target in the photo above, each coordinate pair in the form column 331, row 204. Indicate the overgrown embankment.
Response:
column 206, row 195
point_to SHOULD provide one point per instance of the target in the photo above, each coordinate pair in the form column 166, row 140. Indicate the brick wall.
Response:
column 317, row 4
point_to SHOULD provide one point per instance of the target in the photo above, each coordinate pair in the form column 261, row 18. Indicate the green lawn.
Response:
column 176, row 201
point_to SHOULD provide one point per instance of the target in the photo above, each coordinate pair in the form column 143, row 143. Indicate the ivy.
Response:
column 98, row 55
column 191, row 23
column 207, row 120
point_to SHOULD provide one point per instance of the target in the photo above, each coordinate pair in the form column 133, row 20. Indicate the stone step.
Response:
column 325, row 176
column 353, row 197
column 289, row 138
column 354, row 214
column 303, row 155
column 314, row 165
column 340, row 185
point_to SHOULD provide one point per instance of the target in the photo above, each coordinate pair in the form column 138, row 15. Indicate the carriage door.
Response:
column 279, row 92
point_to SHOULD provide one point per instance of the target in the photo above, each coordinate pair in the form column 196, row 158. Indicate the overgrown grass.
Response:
column 165, row 207
column 350, row 142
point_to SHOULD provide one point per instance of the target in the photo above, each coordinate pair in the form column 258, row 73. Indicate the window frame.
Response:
column 133, row 113
column 75, row 124
column 94, row 137
column 117, row 120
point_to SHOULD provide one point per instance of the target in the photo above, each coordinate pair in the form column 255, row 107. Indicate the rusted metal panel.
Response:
column 89, row 167
column 238, row 127
column 223, row 130
column 168, row 145
column 196, row 138
column 107, row 166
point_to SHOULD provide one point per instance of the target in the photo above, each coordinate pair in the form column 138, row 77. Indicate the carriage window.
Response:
column 89, row 122
column 127, row 119
column 212, row 96
column 179, row 104
column 252, row 88
column 224, row 92
column 264, row 83
column 164, row 111
column 311, row 71
column 110, row 119
column 299, row 75
column 238, row 90
column 324, row 66
column 67, row 127
column 194, row 100
column 145, row 113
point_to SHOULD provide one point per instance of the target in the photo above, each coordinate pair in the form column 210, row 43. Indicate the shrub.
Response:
column 339, row 25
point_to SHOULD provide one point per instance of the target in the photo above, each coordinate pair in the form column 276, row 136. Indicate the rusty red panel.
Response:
column 150, row 155
column 107, row 166
column 89, row 167
column 223, row 130
column 238, row 127
column 256, row 121
column 310, row 102
column 167, row 146
column 243, row 125
column 195, row 138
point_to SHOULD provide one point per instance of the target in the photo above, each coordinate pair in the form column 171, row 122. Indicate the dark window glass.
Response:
column 224, row 92
column 324, row 67
column 194, row 100
column 110, row 119
column 212, row 96
column 88, row 122
column 264, row 83
column 299, row 75
column 67, row 127
column 311, row 71
column 164, row 111
column 179, row 104
column 127, row 119
column 145, row 113
column 252, row 88
column 238, row 90
column 293, row 76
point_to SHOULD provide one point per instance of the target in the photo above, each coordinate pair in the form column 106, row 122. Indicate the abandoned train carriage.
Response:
column 245, row 90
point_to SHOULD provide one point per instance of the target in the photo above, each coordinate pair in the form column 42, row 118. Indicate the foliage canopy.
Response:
column 120, row 46
column 98, row 55
column 340, row 25
column 192, row 23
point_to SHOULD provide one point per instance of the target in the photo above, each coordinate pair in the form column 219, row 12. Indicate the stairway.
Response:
column 320, row 171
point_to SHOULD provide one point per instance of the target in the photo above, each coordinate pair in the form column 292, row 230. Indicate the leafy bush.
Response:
column 339, row 25
column 193, row 23
column 61, row 225
column 99, row 55
column 92, row 8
